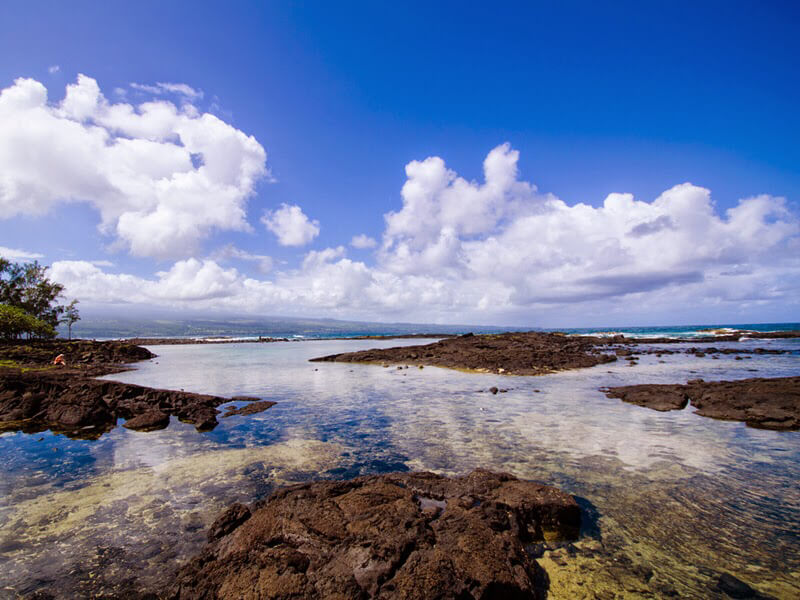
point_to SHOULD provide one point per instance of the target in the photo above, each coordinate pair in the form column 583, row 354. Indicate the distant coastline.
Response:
column 696, row 333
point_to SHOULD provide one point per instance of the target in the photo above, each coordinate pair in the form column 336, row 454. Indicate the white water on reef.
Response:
column 671, row 499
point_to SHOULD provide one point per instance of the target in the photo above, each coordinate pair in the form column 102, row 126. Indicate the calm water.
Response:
column 671, row 499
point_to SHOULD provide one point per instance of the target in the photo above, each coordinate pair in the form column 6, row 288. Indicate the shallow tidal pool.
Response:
column 670, row 500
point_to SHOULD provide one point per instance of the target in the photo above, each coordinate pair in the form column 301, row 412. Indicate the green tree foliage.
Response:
column 25, row 286
column 15, row 322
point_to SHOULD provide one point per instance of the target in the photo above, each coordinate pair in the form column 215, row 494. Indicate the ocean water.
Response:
column 307, row 332
column 687, row 331
column 670, row 500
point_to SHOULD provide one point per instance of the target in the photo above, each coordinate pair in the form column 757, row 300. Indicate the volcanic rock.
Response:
column 410, row 535
column 249, row 409
column 148, row 421
column 83, row 407
column 761, row 403
column 526, row 353
column 35, row 395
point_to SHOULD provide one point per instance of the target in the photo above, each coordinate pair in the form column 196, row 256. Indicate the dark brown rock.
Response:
column 35, row 395
column 148, row 421
column 762, row 403
column 662, row 397
column 229, row 520
column 249, row 409
column 411, row 535
column 527, row 353
column 85, row 356
column 84, row 407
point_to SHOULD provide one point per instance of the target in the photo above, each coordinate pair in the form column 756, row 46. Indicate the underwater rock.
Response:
column 408, row 535
column 759, row 402
column 736, row 588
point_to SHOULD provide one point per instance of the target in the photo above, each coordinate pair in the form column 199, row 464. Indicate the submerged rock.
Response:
column 411, row 535
column 733, row 587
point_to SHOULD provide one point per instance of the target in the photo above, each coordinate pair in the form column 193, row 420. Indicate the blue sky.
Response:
column 593, row 100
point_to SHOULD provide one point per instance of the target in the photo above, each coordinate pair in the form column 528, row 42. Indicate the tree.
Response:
column 71, row 316
column 14, row 322
column 25, row 286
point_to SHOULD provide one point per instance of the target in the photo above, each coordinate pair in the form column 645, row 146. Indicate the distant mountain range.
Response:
column 101, row 327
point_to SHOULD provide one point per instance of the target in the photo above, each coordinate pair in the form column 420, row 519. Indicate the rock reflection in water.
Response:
column 677, row 499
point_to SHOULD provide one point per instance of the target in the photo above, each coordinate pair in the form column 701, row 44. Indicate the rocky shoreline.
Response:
column 400, row 535
column 36, row 395
column 760, row 403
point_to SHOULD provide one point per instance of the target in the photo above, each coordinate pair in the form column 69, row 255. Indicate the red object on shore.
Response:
column 60, row 360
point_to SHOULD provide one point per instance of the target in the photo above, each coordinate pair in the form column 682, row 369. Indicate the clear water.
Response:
column 671, row 500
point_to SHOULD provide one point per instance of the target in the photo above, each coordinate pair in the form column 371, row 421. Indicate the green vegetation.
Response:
column 28, row 302
column 14, row 322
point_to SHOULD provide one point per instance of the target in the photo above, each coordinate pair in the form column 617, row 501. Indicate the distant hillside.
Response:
column 107, row 327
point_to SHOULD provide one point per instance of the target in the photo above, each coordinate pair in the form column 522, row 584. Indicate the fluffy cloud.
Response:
column 500, row 251
column 161, row 177
column 362, row 242
column 14, row 254
column 290, row 224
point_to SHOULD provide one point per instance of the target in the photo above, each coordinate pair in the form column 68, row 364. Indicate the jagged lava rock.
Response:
column 410, row 535
column 84, row 407
column 519, row 353
column 764, row 403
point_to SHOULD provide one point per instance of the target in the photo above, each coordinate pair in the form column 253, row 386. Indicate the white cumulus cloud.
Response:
column 500, row 251
column 14, row 254
column 291, row 226
column 161, row 177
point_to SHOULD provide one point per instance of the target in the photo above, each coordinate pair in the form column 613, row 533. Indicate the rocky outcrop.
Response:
column 84, row 407
column 411, row 535
column 762, row 403
column 88, row 357
column 36, row 395
column 528, row 353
